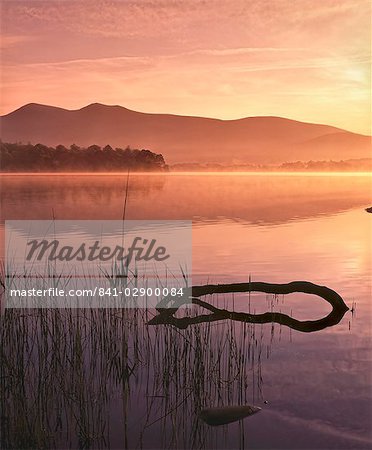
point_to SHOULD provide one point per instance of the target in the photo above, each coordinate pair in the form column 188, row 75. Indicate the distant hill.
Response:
column 183, row 139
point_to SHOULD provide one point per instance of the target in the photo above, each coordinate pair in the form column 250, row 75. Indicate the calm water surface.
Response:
column 315, row 389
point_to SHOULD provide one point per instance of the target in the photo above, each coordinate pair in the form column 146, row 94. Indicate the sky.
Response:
column 308, row 60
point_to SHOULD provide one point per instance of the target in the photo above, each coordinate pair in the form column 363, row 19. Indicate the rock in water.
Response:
column 369, row 209
column 227, row 414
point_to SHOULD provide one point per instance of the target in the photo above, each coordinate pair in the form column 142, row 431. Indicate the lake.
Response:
column 106, row 379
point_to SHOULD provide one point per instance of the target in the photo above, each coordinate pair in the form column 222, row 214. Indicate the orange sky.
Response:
column 303, row 59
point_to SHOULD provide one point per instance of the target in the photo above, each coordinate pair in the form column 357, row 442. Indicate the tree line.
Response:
column 20, row 157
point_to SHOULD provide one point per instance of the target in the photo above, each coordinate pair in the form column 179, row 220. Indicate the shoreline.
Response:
column 189, row 173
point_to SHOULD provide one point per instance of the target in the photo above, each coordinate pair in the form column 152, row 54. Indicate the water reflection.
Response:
column 105, row 379
column 201, row 198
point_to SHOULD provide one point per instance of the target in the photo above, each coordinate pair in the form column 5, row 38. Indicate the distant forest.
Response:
column 41, row 158
column 349, row 165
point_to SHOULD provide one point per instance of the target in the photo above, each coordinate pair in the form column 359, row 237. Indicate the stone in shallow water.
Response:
column 369, row 209
column 227, row 414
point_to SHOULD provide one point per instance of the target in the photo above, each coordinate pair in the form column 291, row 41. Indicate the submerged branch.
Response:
column 339, row 308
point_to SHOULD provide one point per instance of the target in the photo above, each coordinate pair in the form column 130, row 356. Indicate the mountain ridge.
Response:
column 256, row 139
column 102, row 105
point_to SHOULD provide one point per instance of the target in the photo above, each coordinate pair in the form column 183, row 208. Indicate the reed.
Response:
column 96, row 378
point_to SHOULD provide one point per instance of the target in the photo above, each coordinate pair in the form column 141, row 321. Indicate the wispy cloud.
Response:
column 10, row 41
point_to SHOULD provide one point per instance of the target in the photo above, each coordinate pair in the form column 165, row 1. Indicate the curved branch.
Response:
column 339, row 308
